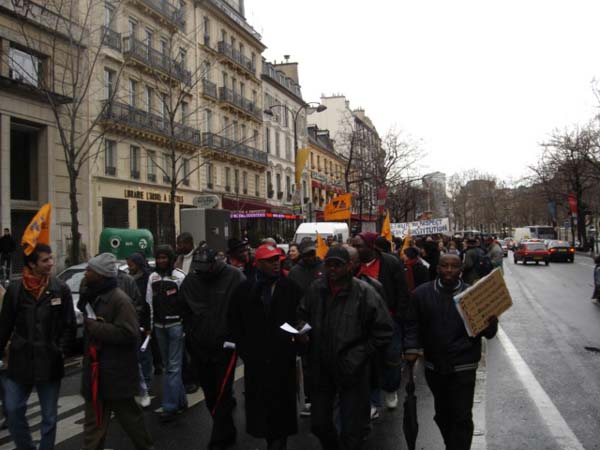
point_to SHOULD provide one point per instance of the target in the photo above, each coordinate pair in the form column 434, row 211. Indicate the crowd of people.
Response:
column 338, row 330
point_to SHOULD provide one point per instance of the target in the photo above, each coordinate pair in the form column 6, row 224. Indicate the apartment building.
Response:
column 284, row 131
column 326, row 172
column 35, row 75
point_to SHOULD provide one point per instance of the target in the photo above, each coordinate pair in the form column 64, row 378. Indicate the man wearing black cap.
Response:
column 239, row 256
column 205, row 296
column 309, row 268
column 349, row 323
column 259, row 307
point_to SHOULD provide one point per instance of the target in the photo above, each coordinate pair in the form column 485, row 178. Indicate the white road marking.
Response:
column 556, row 424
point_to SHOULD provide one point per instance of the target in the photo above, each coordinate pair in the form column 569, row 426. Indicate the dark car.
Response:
column 532, row 251
column 561, row 251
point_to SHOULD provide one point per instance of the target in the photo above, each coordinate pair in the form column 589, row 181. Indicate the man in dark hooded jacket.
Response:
column 205, row 297
column 167, row 319
column 309, row 268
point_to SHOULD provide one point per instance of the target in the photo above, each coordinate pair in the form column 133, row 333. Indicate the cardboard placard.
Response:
column 486, row 298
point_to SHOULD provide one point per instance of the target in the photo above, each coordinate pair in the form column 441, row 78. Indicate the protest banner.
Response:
column 421, row 227
column 486, row 298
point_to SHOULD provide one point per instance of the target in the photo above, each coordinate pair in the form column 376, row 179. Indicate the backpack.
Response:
column 483, row 265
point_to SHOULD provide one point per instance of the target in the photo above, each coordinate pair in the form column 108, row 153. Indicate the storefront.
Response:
column 256, row 220
column 123, row 205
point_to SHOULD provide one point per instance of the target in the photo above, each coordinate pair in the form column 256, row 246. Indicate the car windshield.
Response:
column 73, row 279
column 536, row 247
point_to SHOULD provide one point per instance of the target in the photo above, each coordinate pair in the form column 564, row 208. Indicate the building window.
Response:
column 278, row 185
column 182, row 56
column 255, row 138
column 245, row 182
column 164, row 46
column 242, row 89
column 253, row 58
column 243, row 132
column 254, row 98
column 257, row 185
column 109, row 83
column 149, row 39
column 277, row 145
column 269, row 185
column 288, row 149
column 134, row 162
column 110, row 157
column 227, row 179
column 312, row 160
column 205, row 74
column 206, row 21
column 185, row 110
column 25, row 67
column 109, row 12
column 164, row 102
column 207, row 120
column 209, row 176
column 167, row 167
column 304, row 189
column 132, row 27
column 288, row 187
column 149, row 96
column 268, row 140
column 133, row 92
column 186, row 171
column 236, row 180
column 235, row 131
column 226, row 130
column 318, row 163
column 151, row 165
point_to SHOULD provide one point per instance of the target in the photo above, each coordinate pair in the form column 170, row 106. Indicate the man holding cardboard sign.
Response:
column 435, row 328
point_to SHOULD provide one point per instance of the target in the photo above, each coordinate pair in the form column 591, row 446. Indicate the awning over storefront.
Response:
column 248, row 209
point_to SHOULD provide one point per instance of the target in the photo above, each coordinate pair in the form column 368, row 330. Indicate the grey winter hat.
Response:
column 104, row 264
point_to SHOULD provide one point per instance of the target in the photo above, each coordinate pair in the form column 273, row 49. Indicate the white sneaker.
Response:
column 374, row 413
column 390, row 399
column 305, row 411
column 144, row 401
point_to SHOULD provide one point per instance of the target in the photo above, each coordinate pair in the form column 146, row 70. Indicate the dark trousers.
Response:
column 128, row 414
column 354, row 411
column 453, row 398
column 211, row 375
column 6, row 260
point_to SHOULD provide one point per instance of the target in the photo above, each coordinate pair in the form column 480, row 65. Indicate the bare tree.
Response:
column 68, row 34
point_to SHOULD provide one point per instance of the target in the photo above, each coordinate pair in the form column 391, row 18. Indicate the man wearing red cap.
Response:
column 258, row 309
column 389, row 271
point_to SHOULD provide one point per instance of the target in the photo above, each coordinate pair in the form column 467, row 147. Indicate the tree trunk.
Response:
column 75, row 240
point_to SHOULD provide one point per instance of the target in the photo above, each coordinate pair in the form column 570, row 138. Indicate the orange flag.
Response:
column 38, row 230
column 322, row 248
column 386, row 229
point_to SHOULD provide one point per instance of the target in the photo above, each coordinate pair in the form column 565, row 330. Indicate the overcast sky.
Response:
column 481, row 83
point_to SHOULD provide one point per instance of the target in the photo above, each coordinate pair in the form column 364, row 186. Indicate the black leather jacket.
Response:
column 346, row 329
column 434, row 326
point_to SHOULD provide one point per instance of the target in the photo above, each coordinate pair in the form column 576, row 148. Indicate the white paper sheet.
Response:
column 290, row 329
column 228, row 344
column 144, row 346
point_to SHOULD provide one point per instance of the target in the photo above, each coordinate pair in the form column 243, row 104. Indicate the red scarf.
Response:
column 33, row 284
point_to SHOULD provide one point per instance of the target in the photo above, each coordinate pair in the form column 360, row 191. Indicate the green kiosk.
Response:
column 122, row 242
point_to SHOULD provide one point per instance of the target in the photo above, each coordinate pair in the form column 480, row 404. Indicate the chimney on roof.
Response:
column 287, row 58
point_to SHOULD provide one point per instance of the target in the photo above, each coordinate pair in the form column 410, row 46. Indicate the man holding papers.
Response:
column 263, row 308
column 435, row 328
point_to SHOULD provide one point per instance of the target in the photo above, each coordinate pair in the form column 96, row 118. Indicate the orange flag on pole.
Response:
column 38, row 230
column 386, row 229
column 405, row 244
column 322, row 248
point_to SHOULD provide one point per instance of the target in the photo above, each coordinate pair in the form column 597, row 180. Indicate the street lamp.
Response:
column 318, row 108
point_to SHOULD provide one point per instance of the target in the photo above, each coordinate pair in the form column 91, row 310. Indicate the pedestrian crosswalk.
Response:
column 71, row 415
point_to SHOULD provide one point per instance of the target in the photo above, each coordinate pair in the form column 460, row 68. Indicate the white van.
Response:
column 339, row 230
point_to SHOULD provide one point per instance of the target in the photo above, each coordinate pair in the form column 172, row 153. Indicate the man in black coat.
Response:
column 37, row 317
column 389, row 271
column 349, row 324
column 434, row 327
column 309, row 268
column 205, row 296
column 8, row 246
column 258, row 309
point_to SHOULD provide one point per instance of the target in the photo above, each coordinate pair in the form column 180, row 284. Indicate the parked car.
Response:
column 561, row 251
column 532, row 251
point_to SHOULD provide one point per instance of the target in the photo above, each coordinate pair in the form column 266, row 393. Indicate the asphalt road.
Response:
column 537, row 388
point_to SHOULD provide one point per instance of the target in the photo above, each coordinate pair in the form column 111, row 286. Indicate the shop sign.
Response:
column 206, row 201
column 151, row 196
column 318, row 176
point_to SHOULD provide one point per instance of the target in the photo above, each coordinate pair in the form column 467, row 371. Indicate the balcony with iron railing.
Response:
column 234, row 55
column 221, row 143
column 154, row 59
column 175, row 16
column 233, row 98
column 209, row 89
column 129, row 116
column 111, row 38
